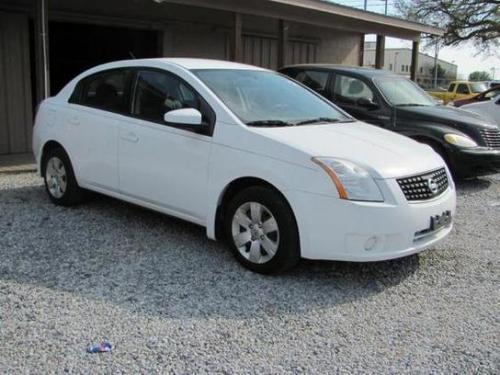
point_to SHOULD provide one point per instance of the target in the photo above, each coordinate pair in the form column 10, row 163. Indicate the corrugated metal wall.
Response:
column 301, row 53
column 260, row 51
column 15, row 84
column 263, row 51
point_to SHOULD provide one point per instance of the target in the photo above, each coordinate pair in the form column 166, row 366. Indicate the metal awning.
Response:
column 321, row 13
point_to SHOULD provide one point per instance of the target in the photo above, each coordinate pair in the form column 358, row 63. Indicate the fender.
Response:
column 217, row 191
column 431, row 131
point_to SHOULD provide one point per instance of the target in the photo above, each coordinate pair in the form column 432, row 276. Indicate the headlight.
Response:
column 351, row 181
column 459, row 140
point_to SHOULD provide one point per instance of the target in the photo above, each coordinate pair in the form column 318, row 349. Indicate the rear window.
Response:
column 313, row 79
column 106, row 90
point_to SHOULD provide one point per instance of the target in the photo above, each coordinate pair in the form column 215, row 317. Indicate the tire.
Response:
column 261, row 230
column 59, row 178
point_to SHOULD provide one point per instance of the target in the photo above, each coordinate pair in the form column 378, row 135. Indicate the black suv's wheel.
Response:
column 59, row 178
column 262, row 232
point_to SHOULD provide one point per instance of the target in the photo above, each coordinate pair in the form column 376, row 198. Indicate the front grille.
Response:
column 424, row 186
column 491, row 137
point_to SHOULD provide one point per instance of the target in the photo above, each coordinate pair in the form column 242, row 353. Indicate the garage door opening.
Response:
column 77, row 47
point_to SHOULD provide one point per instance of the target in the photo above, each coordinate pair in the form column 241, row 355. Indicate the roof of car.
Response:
column 192, row 64
column 187, row 63
column 368, row 72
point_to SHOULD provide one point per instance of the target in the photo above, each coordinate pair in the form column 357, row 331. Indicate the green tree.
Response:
column 479, row 76
column 476, row 21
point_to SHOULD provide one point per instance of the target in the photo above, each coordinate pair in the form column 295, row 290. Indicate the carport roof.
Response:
column 322, row 13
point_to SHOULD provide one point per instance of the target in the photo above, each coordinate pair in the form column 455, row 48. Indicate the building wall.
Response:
column 15, row 87
column 307, row 44
column 398, row 60
column 203, row 42
column 334, row 46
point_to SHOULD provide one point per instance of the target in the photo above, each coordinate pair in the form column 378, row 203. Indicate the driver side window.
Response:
column 157, row 93
column 349, row 89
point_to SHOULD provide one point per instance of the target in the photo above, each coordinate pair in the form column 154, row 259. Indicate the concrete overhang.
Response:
column 321, row 13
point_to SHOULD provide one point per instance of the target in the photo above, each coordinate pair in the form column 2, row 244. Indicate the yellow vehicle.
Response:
column 459, row 90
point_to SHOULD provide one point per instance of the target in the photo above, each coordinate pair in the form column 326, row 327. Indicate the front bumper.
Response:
column 335, row 229
column 475, row 161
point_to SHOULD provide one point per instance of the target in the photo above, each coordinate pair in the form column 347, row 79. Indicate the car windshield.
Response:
column 263, row 98
column 478, row 87
column 403, row 92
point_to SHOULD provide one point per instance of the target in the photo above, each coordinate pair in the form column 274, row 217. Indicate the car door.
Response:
column 357, row 98
column 95, row 110
column 165, row 165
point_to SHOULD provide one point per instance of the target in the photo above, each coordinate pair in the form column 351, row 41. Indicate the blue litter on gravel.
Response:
column 102, row 347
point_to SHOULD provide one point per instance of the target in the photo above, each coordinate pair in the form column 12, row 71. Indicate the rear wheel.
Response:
column 60, row 181
column 261, row 229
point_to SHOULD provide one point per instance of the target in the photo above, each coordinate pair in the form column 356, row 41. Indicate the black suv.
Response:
column 469, row 143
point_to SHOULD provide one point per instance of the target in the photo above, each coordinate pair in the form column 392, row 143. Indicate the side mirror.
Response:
column 184, row 116
column 367, row 103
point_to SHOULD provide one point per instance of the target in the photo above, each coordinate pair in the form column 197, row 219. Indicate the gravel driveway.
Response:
column 172, row 301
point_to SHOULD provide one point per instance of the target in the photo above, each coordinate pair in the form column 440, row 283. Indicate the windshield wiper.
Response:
column 269, row 123
column 411, row 105
column 320, row 120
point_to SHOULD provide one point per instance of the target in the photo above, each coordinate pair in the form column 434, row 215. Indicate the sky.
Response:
column 465, row 56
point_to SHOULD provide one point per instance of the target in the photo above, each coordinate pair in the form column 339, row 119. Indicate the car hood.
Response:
column 383, row 153
column 446, row 115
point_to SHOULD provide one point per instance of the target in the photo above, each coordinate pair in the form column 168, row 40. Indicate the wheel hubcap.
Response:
column 55, row 176
column 255, row 232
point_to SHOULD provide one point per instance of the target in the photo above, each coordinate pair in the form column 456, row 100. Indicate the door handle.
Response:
column 130, row 137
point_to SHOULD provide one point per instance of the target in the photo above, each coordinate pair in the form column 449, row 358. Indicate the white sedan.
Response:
column 489, row 109
column 253, row 156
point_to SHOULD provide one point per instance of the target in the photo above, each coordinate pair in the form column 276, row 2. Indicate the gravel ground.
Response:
column 172, row 301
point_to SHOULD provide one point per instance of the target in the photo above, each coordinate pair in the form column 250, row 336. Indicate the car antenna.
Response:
column 131, row 55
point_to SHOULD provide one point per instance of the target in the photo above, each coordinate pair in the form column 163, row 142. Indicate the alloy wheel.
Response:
column 56, row 178
column 255, row 232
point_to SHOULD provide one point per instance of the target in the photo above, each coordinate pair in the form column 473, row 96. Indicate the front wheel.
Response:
column 262, row 231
